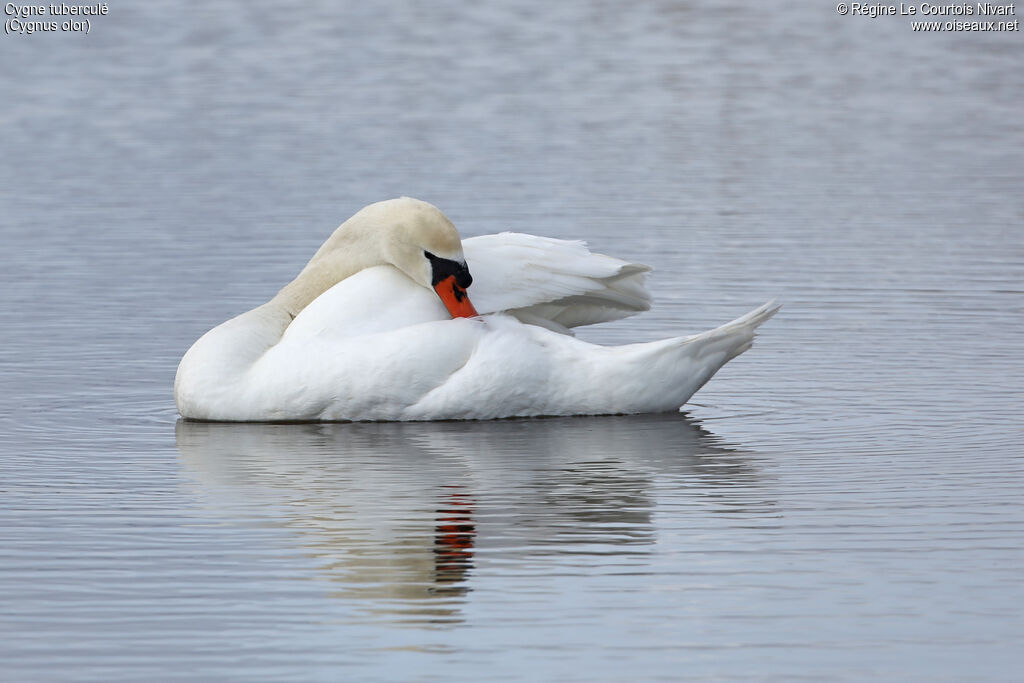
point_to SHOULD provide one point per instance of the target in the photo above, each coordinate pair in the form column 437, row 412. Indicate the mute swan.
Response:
column 379, row 326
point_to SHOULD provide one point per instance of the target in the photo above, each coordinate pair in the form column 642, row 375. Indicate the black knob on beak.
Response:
column 441, row 268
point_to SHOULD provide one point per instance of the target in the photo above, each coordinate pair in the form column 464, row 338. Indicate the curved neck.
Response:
column 340, row 257
column 313, row 281
column 227, row 351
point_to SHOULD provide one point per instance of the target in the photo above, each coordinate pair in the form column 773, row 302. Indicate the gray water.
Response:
column 840, row 503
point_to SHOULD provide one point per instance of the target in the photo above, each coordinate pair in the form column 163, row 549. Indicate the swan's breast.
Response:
column 374, row 300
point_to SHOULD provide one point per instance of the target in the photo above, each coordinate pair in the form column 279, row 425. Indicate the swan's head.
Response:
column 416, row 238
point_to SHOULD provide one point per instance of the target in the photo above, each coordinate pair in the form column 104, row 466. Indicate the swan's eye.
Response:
column 440, row 268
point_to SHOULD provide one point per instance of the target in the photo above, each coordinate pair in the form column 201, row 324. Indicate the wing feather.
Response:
column 555, row 283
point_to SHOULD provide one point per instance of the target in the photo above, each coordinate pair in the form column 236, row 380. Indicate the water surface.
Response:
column 840, row 503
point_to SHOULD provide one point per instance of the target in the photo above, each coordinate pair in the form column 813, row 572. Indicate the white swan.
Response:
column 378, row 326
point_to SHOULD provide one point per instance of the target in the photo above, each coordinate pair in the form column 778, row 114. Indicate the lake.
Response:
column 842, row 502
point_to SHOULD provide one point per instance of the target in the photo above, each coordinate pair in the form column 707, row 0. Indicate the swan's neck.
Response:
column 340, row 257
column 212, row 368
column 211, row 371
column 314, row 280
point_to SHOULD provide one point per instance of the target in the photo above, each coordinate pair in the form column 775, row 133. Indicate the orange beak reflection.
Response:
column 455, row 298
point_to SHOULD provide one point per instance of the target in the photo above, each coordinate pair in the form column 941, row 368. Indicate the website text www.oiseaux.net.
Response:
column 925, row 17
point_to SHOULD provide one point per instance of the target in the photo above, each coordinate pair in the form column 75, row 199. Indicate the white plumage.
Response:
column 360, row 335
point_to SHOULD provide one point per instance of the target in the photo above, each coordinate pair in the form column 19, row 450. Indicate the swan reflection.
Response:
column 402, row 514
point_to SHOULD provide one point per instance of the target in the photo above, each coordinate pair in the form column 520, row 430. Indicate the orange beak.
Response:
column 455, row 298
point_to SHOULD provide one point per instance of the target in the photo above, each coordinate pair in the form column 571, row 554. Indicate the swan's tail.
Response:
column 663, row 375
column 737, row 336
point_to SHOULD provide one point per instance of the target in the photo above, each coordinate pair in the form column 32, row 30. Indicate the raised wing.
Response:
column 554, row 283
